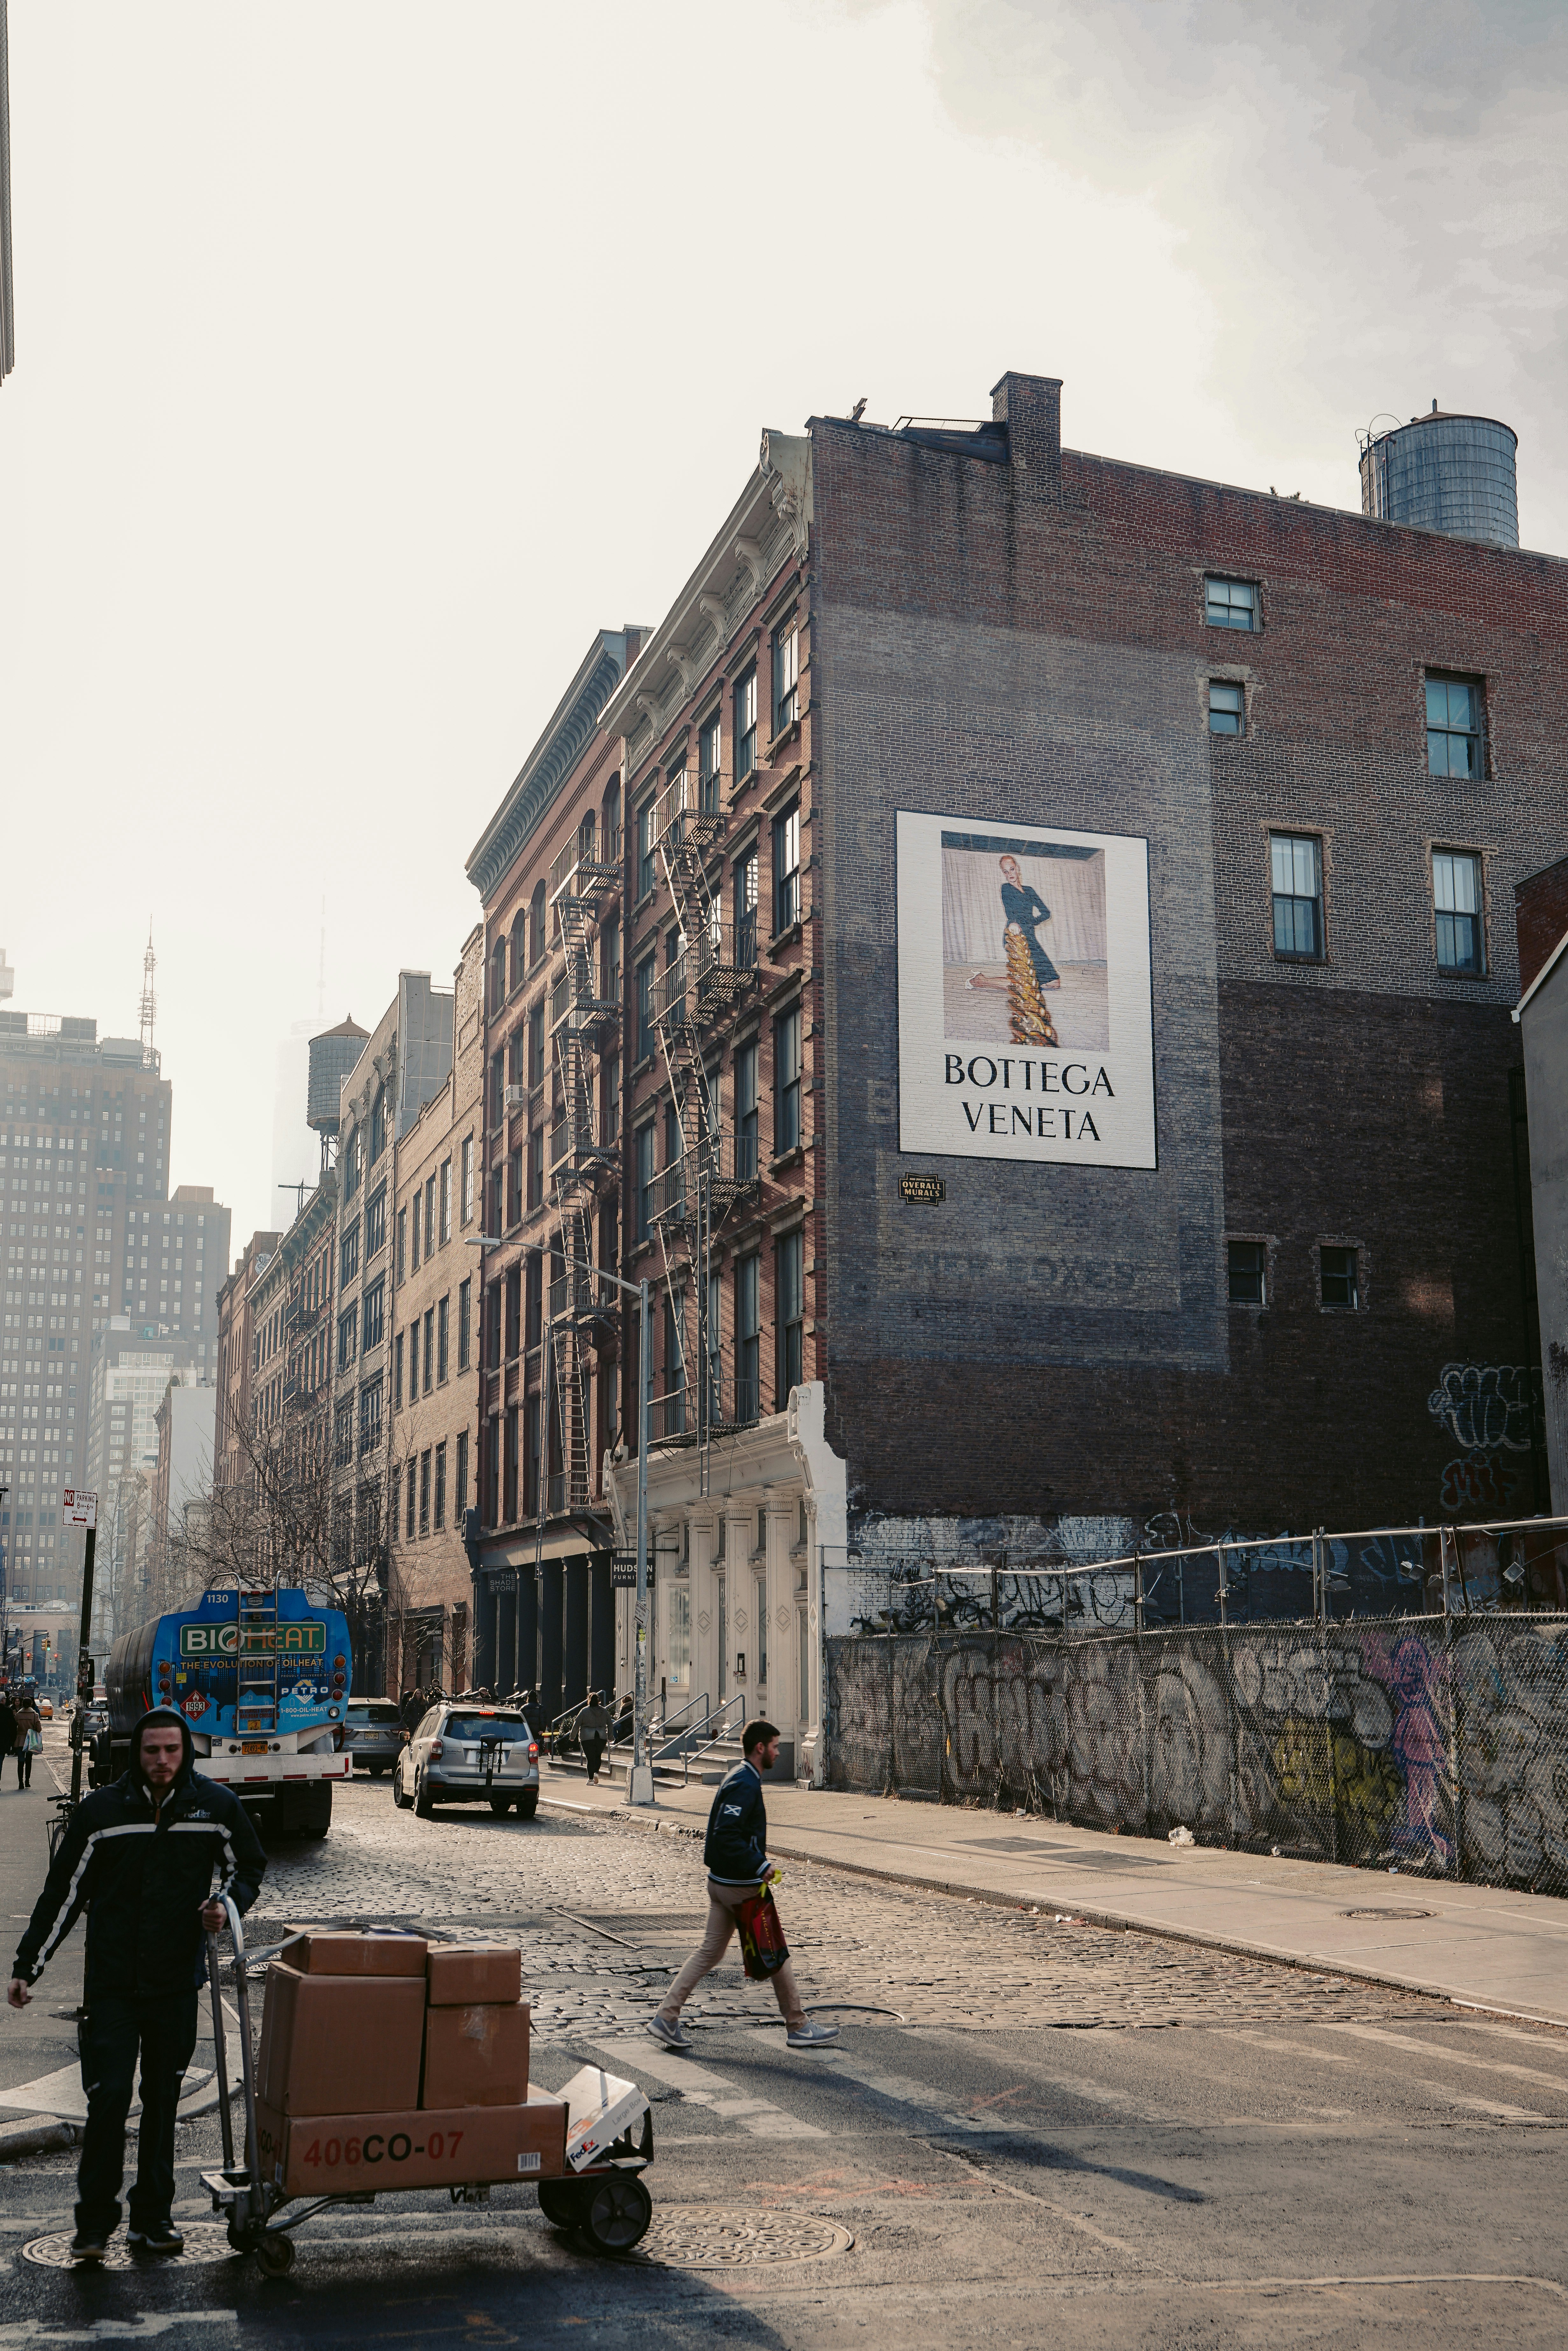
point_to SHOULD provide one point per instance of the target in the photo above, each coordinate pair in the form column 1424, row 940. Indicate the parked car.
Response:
column 461, row 1754
column 373, row 1734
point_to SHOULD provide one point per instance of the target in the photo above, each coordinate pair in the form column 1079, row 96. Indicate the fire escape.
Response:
column 714, row 964
column 586, row 878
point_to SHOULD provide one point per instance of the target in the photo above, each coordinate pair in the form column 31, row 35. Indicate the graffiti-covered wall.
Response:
column 1437, row 1744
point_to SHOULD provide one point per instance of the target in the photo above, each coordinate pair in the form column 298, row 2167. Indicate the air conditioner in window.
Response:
column 517, row 1096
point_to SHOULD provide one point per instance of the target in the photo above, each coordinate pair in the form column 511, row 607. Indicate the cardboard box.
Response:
column 328, row 1951
column 340, row 2044
column 475, row 2056
column 600, row 2106
column 351, row 2155
column 458, row 1974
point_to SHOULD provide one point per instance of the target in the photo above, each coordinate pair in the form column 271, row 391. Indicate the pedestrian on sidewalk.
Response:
column 735, row 1853
column 29, row 1737
column 8, row 1729
column 593, row 1728
column 147, row 1893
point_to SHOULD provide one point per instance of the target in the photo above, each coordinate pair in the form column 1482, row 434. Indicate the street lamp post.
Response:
column 640, row 1790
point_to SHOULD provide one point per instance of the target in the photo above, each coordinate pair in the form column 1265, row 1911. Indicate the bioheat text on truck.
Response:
column 262, row 1676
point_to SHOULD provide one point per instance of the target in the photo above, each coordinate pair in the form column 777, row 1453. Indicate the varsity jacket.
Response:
column 735, row 1847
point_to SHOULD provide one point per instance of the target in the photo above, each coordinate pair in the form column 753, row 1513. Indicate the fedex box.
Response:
column 600, row 2106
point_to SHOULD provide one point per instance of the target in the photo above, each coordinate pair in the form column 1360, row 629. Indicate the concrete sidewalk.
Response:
column 1474, row 1944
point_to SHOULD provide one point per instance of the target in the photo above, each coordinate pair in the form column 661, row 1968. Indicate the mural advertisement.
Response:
column 1025, row 1007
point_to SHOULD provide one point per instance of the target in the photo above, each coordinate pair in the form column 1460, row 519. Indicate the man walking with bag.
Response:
column 139, row 1856
column 735, row 1854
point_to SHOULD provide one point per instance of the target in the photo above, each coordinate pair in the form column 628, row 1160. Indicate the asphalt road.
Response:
column 1022, row 2114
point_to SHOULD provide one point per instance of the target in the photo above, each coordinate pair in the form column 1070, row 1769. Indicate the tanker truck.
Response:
column 262, row 1676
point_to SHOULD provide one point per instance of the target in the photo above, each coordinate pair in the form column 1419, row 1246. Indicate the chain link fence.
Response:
column 1437, row 1743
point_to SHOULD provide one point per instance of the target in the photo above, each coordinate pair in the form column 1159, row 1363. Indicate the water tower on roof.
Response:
column 1452, row 474
column 332, row 1056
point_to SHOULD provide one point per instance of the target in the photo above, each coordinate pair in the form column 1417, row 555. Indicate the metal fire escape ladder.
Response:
column 703, row 981
column 585, row 879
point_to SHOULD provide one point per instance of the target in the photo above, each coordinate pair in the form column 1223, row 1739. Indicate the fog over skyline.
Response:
column 368, row 360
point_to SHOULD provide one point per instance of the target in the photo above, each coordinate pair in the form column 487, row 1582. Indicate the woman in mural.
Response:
column 1030, row 970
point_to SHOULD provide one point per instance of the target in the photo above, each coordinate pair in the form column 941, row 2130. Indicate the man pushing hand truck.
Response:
column 735, row 1854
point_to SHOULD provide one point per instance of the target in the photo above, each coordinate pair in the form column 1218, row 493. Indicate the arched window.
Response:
column 586, row 832
column 498, row 974
column 519, row 948
column 612, row 832
column 378, row 1124
column 536, row 924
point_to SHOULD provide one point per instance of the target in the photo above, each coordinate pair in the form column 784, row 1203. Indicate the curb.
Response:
column 623, row 1815
column 34, row 2135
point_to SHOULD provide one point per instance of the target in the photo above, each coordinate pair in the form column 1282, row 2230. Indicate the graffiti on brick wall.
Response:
column 1336, row 1742
column 1489, row 1411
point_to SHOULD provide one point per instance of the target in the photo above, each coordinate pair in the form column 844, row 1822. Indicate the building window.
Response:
column 536, row 1168
column 460, row 1484
column 440, row 1488
column 747, row 1339
column 354, row 1160
column 498, row 1198
column 414, row 1256
column 746, row 1112
column 443, row 1324
column 397, row 1373
column 498, row 1087
column 347, row 1336
column 792, row 1313
column 492, row 1460
column 536, row 924
column 343, row 1434
column 424, row 1491
column 408, row 1485
column 401, row 1244
column 515, row 1310
column 375, row 1302
column 786, row 870
column 375, row 1221
column 786, row 673
column 493, row 1325
column 370, row 1416
column 510, row 1465
column 537, row 1044
column 413, row 1358
column 428, row 1349
column 745, row 732
column 612, row 964
column 350, row 1254
column 787, row 1083
column 557, row 1136
column 1339, row 1277
column 745, row 912
column 1296, row 867
column 515, row 1187
column 1227, row 707
column 378, row 1124
column 1230, row 603
column 708, row 765
column 647, row 973
column 1453, row 726
column 1457, row 896
column 678, row 1634
column 467, row 1179
column 443, row 1200
column 498, row 974
column 533, row 1301
column 713, row 1337
column 464, row 1308
column 429, row 1216
column 610, row 1126
column 1247, row 1273
column 675, row 1372
column 519, row 948
column 647, row 836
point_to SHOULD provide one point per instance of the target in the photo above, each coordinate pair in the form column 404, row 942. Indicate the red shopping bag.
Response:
column 762, row 1946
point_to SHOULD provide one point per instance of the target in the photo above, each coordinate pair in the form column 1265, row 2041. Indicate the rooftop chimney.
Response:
column 1031, row 408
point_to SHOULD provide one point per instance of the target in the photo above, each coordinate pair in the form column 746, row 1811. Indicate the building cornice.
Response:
column 767, row 527
column 543, row 771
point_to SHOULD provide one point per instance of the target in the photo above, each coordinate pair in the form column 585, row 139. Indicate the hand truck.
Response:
column 605, row 2203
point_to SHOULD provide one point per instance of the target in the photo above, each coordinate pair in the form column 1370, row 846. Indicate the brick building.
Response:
column 1204, row 807
column 236, row 1360
column 549, row 870
column 434, row 1408
column 1541, row 911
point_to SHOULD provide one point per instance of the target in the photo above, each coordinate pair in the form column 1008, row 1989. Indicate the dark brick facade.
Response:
column 1028, row 641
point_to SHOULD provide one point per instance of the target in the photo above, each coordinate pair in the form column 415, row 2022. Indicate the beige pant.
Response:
column 722, row 1901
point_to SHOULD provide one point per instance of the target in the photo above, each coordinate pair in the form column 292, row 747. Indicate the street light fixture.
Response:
column 640, row 1789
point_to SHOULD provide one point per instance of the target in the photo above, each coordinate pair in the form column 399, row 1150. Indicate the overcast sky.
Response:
column 371, row 357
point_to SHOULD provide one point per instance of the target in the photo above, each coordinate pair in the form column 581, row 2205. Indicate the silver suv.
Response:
column 463, row 1754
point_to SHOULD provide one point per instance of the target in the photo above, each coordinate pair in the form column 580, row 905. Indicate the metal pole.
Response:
column 642, row 1787
column 86, row 1671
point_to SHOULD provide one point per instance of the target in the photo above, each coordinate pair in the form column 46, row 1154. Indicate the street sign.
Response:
column 77, row 1508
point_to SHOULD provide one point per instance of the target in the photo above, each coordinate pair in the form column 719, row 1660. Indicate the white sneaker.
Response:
column 810, row 2035
column 670, row 2034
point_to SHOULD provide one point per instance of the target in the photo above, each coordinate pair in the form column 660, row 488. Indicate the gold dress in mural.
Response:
column 1029, row 1021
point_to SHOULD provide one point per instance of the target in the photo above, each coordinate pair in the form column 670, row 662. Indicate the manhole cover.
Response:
column 205, row 2241
column 698, row 2238
column 1388, row 1914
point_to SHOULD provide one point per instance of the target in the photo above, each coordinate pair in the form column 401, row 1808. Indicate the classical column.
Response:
column 739, row 1526
column 783, row 1696
column 705, row 1612
column 600, row 1624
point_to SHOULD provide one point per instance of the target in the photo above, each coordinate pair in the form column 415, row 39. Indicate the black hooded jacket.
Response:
column 142, row 1878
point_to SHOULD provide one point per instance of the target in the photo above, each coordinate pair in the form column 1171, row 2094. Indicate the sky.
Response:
column 371, row 357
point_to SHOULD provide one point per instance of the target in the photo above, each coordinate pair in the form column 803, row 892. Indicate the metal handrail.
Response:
column 717, row 1717
column 669, row 1724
